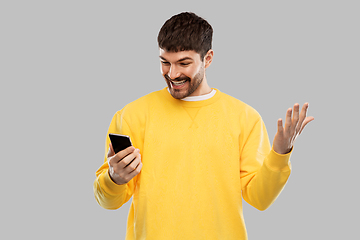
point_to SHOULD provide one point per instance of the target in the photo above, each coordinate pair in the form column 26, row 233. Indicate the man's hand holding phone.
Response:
column 124, row 165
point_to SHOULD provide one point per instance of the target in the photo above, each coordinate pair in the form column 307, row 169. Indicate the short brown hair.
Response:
column 186, row 31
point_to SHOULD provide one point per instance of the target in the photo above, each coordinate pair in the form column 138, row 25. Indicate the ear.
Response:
column 208, row 58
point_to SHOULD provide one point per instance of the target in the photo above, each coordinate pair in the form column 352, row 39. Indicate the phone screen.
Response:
column 119, row 142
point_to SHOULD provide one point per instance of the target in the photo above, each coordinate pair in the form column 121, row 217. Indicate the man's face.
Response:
column 183, row 71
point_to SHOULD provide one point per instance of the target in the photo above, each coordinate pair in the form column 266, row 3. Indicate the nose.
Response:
column 173, row 72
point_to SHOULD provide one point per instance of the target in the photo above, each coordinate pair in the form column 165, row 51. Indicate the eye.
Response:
column 165, row 63
column 184, row 64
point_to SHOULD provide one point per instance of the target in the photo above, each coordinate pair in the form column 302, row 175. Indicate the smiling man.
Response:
column 197, row 152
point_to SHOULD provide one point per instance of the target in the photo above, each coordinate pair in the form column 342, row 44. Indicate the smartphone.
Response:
column 119, row 142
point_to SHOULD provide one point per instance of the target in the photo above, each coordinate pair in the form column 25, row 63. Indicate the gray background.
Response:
column 67, row 66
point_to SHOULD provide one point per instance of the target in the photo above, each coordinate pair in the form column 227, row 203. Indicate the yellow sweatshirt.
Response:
column 199, row 160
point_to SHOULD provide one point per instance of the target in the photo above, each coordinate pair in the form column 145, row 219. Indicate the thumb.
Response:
column 111, row 151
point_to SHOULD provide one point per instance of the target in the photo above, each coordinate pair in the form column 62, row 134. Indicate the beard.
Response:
column 191, row 85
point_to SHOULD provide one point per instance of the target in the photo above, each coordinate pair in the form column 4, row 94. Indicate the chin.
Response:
column 178, row 94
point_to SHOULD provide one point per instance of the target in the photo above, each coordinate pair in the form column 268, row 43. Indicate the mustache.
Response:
column 176, row 79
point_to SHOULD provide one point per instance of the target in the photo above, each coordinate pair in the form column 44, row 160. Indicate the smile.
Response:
column 178, row 83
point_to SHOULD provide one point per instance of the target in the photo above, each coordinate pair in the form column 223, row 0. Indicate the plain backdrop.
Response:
column 67, row 66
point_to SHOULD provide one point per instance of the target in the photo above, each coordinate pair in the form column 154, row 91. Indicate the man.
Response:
column 196, row 151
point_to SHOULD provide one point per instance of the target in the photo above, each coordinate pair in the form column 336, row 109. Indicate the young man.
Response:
column 196, row 151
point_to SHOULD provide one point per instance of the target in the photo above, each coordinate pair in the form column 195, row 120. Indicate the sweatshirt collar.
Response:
column 210, row 98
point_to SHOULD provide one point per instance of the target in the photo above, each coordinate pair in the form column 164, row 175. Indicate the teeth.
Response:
column 178, row 83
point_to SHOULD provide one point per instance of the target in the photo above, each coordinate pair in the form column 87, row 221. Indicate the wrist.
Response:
column 112, row 179
column 109, row 186
column 283, row 152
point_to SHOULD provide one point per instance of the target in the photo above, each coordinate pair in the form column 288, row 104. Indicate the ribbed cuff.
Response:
column 109, row 186
column 278, row 162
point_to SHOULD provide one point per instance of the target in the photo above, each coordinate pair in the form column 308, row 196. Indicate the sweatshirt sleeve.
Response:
column 264, row 172
column 108, row 194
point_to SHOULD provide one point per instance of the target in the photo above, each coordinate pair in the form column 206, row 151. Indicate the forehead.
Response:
column 176, row 56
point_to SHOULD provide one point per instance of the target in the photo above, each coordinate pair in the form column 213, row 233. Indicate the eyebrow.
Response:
column 180, row 60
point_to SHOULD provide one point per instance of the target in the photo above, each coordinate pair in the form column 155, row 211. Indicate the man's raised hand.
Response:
column 294, row 124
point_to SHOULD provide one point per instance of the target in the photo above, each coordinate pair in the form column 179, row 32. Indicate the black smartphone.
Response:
column 119, row 142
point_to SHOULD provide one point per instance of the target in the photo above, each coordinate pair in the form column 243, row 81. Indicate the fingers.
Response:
column 134, row 166
column 129, row 150
column 120, row 155
column 130, row 175
column 123, row 170
column 280, row 126
column 288, row 120
column 302, row 116
column 306, row 121
column 294, row 125
column 131, row 161
column 125, row 154
column 294, row 121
